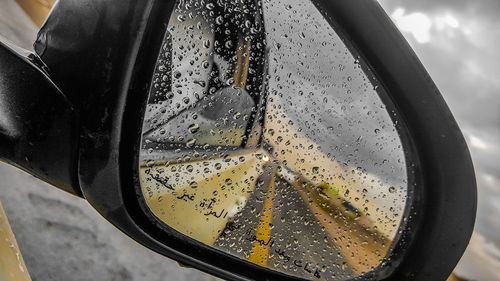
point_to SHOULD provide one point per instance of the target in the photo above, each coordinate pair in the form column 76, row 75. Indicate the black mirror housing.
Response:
column 39, row 126
column 102, row 54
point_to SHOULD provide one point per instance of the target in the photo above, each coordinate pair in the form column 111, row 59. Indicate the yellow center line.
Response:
column 260, row 251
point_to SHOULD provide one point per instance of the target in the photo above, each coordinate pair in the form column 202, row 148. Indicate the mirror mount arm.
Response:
column 38, row 125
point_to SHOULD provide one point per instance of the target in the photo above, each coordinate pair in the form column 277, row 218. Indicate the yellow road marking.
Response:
column 260, row 251
column 12, row 267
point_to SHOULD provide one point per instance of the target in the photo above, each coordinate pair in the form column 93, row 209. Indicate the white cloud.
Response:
column 421, row 25
column 418, row 24
column 446, row 21
column 477, row 142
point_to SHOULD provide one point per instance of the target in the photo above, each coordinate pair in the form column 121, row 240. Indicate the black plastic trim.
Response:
column 38, row 125
column 449, row 187
column 116, row 52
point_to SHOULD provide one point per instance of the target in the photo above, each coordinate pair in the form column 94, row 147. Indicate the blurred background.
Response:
column 63, row 238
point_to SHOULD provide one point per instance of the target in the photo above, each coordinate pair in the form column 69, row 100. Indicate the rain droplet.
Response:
column 219, row 20
column 191, row 142
column 193, row 128
column 200, row 83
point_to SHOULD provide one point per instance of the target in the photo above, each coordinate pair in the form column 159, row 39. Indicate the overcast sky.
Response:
column 457, row 41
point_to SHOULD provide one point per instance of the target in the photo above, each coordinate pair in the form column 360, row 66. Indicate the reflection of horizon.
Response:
column 296, row 152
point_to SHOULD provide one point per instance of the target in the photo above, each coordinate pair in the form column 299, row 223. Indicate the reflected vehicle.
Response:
column 265, row 137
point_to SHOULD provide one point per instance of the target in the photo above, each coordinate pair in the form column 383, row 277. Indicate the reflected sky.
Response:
column 457, row 41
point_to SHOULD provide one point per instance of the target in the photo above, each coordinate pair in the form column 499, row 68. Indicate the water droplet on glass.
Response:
column 219, row 20
column 191, row 142
column 193, row 128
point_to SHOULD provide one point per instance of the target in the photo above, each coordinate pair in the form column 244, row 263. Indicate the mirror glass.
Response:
column 266, row 138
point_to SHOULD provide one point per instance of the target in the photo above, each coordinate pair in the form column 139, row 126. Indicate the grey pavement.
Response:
column 62, row 237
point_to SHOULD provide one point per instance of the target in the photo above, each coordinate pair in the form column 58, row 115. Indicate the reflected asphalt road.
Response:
column 283, row 223
column 301, row 244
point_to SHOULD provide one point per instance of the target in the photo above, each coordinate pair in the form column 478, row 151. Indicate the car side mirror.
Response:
column 253, row 140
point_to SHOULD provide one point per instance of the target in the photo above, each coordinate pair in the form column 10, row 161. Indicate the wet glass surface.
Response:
column 264, row 138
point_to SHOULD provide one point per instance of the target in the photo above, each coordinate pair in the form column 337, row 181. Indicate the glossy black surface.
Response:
column 101, row 54
column 447, row 213
column 38, row 125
